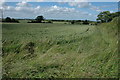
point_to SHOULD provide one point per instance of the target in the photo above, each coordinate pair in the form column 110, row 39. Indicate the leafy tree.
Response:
column 116, row 14
column 39, row 19
column 104, row 16
column 14, row 20
column 8, row 19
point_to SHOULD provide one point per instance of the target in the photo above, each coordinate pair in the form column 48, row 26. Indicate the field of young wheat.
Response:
column 43, row 50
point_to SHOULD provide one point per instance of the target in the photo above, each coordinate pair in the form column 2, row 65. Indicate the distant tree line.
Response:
column 84, row 22
column 106, row 16
column 103, row 17
column 40, row 19
column 8, row 19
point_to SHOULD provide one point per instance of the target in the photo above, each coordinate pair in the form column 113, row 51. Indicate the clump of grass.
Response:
column 30, row 47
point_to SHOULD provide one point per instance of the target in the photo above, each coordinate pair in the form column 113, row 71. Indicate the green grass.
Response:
column 60, row 50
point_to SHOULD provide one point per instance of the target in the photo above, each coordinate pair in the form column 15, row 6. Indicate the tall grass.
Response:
column 60, row 51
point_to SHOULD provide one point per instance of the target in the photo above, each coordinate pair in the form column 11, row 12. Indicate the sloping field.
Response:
column 60, row 50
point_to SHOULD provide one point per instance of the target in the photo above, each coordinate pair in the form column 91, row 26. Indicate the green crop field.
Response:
column 58, row 50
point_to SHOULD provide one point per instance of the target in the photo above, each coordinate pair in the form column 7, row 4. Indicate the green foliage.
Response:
column 106, row 16
column 72, row 22
column 8, row 19
column 39, row 19
column 30, row 47
column 49, row 21
column 86, row 22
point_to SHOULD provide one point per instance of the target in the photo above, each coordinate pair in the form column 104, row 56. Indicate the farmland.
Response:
column 60, row 50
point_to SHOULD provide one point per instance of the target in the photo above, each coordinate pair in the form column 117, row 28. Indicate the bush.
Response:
column 86, row 22
column 8, row 19
column 30, row 47
column 72, row 22
column 50, row 21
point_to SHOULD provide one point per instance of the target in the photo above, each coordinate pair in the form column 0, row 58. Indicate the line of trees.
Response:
column 8, row 19
column 103, row 17
column 41, row 19
column 84, row 22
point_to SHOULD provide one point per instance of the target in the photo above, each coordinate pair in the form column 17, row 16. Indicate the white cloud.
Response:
column 2, row 4
column 55, row 7
column 80, row 4
column 95, row 8
column 90, row 14
column 1, row 1
column 111, row 11
column 85, row 5
column 65, row 13
column 24, row 7
column 37, row 8
column 23, row 4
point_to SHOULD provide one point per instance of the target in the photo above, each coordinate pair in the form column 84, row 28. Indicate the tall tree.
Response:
column 8, row 19
column 104, row 16
column 39, row 18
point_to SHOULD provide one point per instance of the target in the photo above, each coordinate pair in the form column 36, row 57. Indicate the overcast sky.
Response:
column 58, row 10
